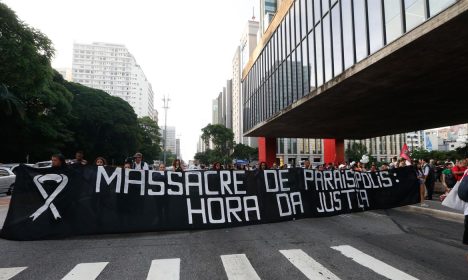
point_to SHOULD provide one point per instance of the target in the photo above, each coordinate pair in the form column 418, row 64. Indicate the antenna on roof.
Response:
column 253, row 12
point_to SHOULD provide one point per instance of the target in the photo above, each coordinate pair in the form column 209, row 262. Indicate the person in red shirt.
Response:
column 459, row 169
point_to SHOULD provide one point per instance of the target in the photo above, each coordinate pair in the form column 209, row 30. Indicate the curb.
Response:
column 444, row 215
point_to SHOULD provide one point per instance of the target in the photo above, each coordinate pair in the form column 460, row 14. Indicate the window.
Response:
column 3, row 173
column 414, row 13
column 297, row 28
column 325, row 6
column 318, row 54
column 436, row 6
column 393, row 20
column 298, row 65
column 305, row 69
column 311, row 45
column 310, row 15
column 375, row 25
column 348, row 46
column 360, row 29
column 327, row 48
column 304, row 18
column 317, row 11
column 287, row 35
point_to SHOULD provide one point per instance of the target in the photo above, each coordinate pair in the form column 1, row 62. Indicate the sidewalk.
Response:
column 436, row 209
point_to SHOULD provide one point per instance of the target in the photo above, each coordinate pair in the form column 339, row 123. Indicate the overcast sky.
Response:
column 185, row 47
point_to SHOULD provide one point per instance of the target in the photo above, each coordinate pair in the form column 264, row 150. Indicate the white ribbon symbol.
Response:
column 38, row 180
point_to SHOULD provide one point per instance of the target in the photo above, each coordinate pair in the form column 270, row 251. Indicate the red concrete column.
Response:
column 333, row 150
column 267, row 150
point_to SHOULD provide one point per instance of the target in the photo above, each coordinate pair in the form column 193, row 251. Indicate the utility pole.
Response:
column 165, row 107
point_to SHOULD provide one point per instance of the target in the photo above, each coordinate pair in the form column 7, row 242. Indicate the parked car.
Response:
column 12, row 166
column 43, row 164
column 7, row 180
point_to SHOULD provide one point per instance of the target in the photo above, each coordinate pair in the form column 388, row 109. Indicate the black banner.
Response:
column 53, row 203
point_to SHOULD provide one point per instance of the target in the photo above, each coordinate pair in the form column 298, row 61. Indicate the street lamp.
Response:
column 165, row 107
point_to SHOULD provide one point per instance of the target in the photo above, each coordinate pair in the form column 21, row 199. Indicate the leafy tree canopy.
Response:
column 245, row 152
column 149, row 138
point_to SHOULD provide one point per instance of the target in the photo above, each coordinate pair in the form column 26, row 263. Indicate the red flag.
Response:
column 405, row 153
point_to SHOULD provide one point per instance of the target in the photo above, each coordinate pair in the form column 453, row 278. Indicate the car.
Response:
column 43, row 164
column 13, row 166
column 7, row 180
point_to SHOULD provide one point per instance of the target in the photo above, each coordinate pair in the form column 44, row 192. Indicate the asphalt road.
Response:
column 392, row 243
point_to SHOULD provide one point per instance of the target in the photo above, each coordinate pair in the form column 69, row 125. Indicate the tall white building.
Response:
column 247, row 45
column 113, row 69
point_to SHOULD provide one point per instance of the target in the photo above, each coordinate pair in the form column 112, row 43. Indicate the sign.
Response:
column 54, row 203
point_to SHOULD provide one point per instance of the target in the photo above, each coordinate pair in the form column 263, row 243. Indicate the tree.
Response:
column 41, row 113
column 170, row 157
column 25, row 55
column 437, row 155
column 149, row 138
column 40, row 106
column 208, row 157
column 222, row 139
column 10, row 104
column 103, row 125
column 356, row 151
column 245, row 152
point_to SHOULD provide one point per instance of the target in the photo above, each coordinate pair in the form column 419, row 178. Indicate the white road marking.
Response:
column 372, row 263
column 7, row 273
column 307, row 265
column 85, row 271
column 167, row 269
column 238, row 267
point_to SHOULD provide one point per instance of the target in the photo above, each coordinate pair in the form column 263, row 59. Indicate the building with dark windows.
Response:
column 367, row 68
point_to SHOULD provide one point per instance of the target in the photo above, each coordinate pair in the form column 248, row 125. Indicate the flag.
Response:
column 405, row 153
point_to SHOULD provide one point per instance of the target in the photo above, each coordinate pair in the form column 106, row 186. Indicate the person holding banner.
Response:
column 100, row 161
column 58, row 161
column 138, row 164
column 177, row 167
column 217, row 166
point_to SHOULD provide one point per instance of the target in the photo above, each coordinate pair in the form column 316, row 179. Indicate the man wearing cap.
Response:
column 138, row 164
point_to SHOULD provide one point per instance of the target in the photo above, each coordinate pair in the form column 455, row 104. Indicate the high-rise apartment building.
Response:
column 248, row 43
column 113, row 69
column 236, row 98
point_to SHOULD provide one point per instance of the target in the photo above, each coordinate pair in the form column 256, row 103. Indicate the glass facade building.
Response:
column 319, row 39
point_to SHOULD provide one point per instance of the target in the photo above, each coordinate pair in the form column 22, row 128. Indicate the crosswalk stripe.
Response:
column 307, row 265
column 88, row 271
column 238, row 267
column 372, row 263
column 9, row 272
column 167, row 269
